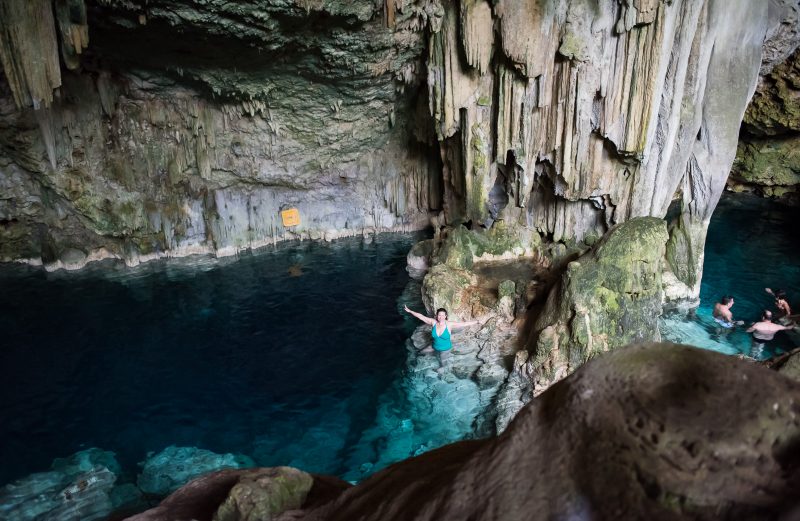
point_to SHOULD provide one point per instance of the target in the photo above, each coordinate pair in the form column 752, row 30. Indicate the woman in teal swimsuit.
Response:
column 440, row 332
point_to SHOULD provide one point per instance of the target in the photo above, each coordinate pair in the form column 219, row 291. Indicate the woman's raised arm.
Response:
column 420, row 316
column 463, row 324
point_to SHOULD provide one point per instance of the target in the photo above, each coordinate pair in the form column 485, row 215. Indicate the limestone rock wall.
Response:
column 587, row 114
column 608, row 298
column 767, row 161
column 561, row 116
column 187, row 128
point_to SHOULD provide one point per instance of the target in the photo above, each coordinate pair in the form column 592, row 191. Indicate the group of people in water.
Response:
column 770, row 323
column 762, row 331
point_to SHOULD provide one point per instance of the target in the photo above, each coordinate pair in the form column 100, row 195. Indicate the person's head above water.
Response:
column 780, row 295
column 766, row 315
column 727, row 300
column 441, row 314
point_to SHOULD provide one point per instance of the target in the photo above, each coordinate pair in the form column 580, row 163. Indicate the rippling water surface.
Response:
column 280, row 355
column 752, row 244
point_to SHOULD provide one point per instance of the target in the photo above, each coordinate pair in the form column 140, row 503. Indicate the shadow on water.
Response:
column 752, row 244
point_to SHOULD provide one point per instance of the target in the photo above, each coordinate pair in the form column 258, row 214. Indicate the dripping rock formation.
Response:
column 170, row 127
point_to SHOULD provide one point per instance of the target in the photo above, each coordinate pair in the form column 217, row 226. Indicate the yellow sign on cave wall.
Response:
column 290, row 217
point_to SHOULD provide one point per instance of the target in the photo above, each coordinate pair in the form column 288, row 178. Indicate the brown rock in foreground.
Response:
column 201, row 498
column 648, row 432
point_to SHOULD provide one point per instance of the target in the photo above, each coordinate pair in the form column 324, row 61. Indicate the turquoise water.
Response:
column 286, row 356
column 293, row 356
column 752, row 244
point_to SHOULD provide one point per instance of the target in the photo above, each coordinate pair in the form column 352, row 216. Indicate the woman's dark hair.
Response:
column 442, row 309
column 780, row 294
column 726, row 300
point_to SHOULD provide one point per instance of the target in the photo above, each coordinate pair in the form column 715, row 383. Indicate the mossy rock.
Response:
column 446, row 287
column 608, row 298
column 462, row 247
column 507, row 288
column 772, row 163
column 264, row 494
column 775, row 107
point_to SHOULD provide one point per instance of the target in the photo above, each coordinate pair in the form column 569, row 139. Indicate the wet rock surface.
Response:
column 173, row 467
column 608, row 298
column 81, row 487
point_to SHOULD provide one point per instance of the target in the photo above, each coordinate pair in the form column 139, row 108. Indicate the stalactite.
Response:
column 44, row 117
column 477, row 33
column 71, row 16
column 529, row 31
column 107, row 91
column 513, row 103
column 389, row 13
column 450, row 86
column 632, row 86
column 29, row 51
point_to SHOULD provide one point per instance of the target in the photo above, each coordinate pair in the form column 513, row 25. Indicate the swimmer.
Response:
column 764, row 330
column 722, row 313
column 440, row 332
column 781, row 303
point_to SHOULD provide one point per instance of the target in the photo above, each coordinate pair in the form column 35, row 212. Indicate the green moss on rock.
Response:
column 462, row 247
column 775, row 107
column 774, row 163
column 609, row 298
column 264, row 494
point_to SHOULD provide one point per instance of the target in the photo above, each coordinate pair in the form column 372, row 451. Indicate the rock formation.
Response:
column 187, row 127
column 608, row 298
column 173, row 467
column 645, row 432
column 245, row 495
column 767, row 160
column 594, row 113
column 82, row 487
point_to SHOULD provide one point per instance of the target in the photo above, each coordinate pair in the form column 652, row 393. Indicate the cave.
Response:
column 399, row 259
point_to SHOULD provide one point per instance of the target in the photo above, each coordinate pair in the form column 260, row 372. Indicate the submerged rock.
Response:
column 173, row 467
column 437, row 401
column 419, row 258
column 78, row 488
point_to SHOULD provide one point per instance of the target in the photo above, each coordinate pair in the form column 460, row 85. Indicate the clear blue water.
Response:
column 293, row 356
column 752, row 244
column 280, row 355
